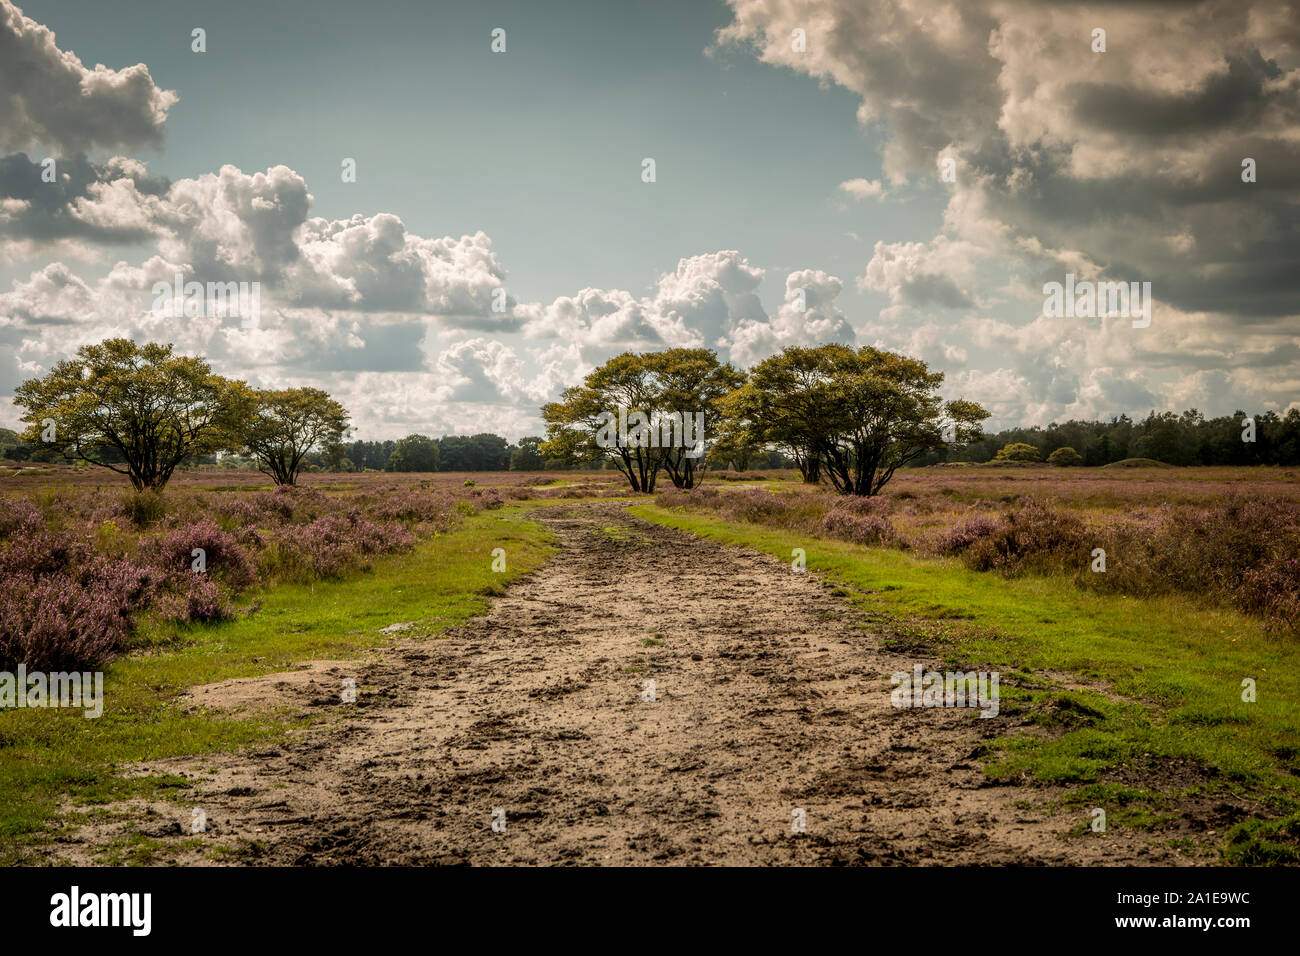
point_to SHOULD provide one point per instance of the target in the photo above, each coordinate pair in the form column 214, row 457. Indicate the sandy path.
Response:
column 769, row 698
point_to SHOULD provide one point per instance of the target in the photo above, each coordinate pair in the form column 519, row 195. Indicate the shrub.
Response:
column 331, row 544
column 1018, row 451
column 223, row 556
column 1034, row 536
column 1065, row 457
column 143, row 508
column 19, row 516
column 52, row 624
column 960, row 537
column 860, row 529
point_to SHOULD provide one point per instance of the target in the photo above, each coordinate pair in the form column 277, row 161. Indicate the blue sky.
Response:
column 780, row 168
column 540, row 147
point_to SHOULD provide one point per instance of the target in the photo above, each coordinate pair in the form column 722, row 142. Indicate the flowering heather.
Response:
column 860, row 529
column 962, row 535
column 332, row 545
column 50, row 623
column 223, row 556
column 81, row 566
column 1236, row 544
column 18, row 516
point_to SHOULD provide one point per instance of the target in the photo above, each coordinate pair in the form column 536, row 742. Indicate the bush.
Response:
column 18, row 516
column 1018, row 451
column 143, row 508
column 331, row 545
column 1034, row 536
column 957, row 539
column 1065, row 457
column 860, row 529
column 223, row 556
column 52, row 624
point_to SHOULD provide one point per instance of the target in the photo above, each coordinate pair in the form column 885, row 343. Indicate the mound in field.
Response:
column 1138, row 463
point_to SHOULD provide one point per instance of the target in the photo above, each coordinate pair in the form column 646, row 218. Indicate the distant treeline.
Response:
column 1186, row 439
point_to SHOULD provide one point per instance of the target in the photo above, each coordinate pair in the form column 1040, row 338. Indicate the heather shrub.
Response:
column 1034, row 536
column 1242, row 550
column 864, row 506
column 487, row 499
column 53, row 624
column 233, row 512
column 225, row 559
column 18, row 516
column 1273, row 591
column 42, row 552
column 330, row 545
column 192, row 597
column 860, row 529
column 417, row 506
column 961, row 536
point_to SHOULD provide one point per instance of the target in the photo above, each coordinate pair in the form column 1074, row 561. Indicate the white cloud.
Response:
column 863, row 188
column 49, row 97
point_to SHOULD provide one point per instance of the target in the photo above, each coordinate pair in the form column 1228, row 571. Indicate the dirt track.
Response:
column 769, row 697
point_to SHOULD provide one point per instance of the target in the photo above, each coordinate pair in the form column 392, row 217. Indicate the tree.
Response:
column 1018, row 451
column 642, row 412
column 860, row 415
column 1065, row 457
column 289, row 423
column 527, row 455
column 138, row 410
column 414, row 453
column 735, row 446
column 691, row 382
column 574, row 424
column 481, row 452
column 370, row 454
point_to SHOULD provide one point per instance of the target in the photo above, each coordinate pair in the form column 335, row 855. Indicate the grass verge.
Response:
column 49, row 756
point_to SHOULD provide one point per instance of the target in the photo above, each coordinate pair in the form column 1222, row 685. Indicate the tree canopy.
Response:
column 856, row 416
column 288, row 424
column 642, row 412
column 138, row 410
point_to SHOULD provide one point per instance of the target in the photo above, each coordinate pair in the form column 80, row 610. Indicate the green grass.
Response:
column 1161, row 676
column 48, row 756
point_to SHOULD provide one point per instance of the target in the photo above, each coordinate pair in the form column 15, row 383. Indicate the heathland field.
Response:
column 382, row 667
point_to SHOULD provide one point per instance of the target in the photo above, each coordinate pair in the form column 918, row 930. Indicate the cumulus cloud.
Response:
column 112, row 202
column 808, row 316
column 920, row 274
column 1121, row 165
column 695, row 306
column 863, row 188
column 49, row 97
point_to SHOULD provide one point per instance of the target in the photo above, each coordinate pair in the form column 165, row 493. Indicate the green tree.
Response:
column 527, row 455
column 1065, row 457
column 287, row 425
column 692, row 382
column 641, row 412
column 861, row 415
column 138, row 410
column 414, row 453
column 1018, row 451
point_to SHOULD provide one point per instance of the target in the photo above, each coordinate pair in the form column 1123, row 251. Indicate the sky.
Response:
column 798, row 196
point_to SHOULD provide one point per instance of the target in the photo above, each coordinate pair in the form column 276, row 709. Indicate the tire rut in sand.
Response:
column 770, row 696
